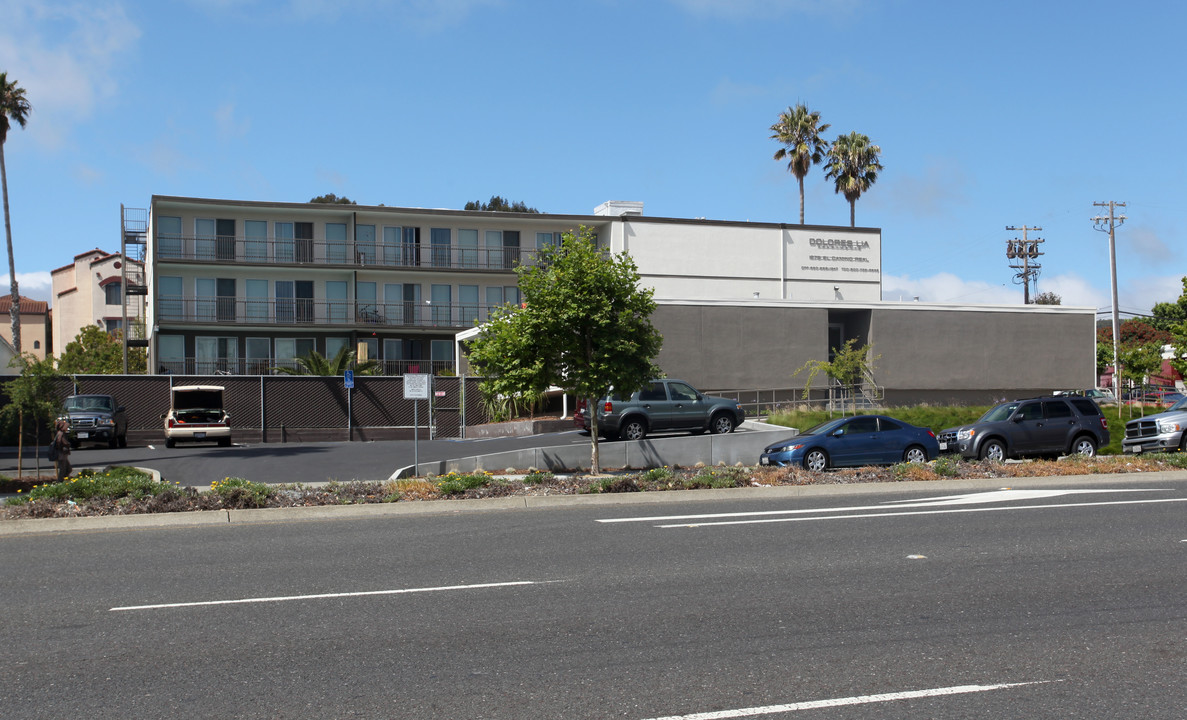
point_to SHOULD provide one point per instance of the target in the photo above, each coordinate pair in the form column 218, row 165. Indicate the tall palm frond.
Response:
column 799, row 130
column 14, row 107
column 853, row 163
column 314, row 363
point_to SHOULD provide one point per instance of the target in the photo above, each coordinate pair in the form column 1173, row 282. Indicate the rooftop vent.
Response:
column 619, row 208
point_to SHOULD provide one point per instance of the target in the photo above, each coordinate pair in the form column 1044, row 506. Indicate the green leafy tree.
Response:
column 1178, row 331
column 314, row 363
column 94, row 351
column 32, row 404
column 853, row 164
column 1139, row 362
column 850, row 367
column 584, row 326
column 1048, row 298
column 1169, row 316
column 799, row 130
column 332, row 199
column 14, row 107
column 499, row 204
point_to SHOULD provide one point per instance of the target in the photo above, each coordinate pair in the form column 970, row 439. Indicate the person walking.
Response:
column 62, row 441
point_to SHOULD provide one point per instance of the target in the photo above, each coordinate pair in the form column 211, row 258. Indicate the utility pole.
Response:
column 1021, row 253
column 1110, row 224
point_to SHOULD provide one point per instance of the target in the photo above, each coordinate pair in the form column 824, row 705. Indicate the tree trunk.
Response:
column 801, row 200
column 594, row 461
column 852, row 213
column 14, row 312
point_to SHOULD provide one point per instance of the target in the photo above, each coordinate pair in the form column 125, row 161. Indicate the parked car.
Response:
column 1043, row 427
column 1165, row 398
column 196, row 414
column 96, row 419
column 1158, row 433
column 854, row 441
column 664, row 404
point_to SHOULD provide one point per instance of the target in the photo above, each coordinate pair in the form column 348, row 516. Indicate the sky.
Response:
column 988, row 115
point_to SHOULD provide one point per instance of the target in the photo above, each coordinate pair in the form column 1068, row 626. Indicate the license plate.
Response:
column 764, row 460
column 944, row 446
column 1135, row 448
column 200, row 435
column 83, row 435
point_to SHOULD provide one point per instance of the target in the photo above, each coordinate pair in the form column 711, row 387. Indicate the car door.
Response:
column 688, row 411
column 654, row 400
column 1059, row 423
column 854, row 442
column 1027, row 434
column 889, row 442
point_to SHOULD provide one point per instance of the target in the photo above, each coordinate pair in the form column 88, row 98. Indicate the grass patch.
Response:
column 112, row 482
column 455, row 484
column 239, row 493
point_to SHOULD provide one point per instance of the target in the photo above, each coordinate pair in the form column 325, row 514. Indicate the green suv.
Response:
column 664, row 404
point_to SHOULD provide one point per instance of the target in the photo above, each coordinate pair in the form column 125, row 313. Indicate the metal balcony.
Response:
column 330, row 313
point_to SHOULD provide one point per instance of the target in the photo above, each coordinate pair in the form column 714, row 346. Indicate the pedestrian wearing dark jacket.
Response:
column 62, row 440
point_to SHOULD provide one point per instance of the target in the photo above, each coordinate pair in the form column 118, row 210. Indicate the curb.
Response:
column 260, row 516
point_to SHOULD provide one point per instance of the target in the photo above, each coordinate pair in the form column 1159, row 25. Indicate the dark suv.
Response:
column 96, row 419
column 664, row 404
column 1042, row 427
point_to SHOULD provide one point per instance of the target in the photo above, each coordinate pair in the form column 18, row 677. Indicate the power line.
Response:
column 1114, row 221
column 1021, row 253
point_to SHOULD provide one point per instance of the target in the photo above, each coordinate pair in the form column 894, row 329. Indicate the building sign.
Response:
column 838, row 256
column 416, row 386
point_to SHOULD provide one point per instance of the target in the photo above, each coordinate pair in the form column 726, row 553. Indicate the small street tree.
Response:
column 32, row 404
column 94, row 351
column 1138, row 362
column 1048, row 298
column 850, row 367
column 584, row 326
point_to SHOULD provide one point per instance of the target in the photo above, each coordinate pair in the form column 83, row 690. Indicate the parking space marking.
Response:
column 840, row 702
column 326, row 596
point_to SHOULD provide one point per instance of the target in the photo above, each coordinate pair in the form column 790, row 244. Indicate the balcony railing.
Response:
column 264, row 366
column 308, row 311
column 237, row 249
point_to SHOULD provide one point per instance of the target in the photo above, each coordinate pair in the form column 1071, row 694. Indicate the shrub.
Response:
column 657, row 475
column 947, row 465
column 112, row 482
column 537, row 477
column 239, row 493
column 455, row 484
column 614, row 485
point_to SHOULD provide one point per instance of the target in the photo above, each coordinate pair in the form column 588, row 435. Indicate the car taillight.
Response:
column 608, row 407
column 929, row 432
column 1104, row 423
column 170, row 423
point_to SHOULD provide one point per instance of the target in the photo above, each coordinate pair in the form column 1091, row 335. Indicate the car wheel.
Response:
column 1084, row 446
column 170, row 442
column 722, row 424
column 915, row 454
column 124, row 440
column 1183, row 443
column 993, row 450
column 633, row 430
column 224, row 442
column 816, row 460
column 114, row 442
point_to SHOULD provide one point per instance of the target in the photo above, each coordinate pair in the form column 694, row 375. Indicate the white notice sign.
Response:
column 416, row 386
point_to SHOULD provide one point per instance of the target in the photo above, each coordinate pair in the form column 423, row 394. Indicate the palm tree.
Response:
column 14, row 106
column 314, row 363
column 853, row 164
column 799, row 130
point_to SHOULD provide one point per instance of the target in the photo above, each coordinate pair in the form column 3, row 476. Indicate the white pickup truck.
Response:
column 1158, row 433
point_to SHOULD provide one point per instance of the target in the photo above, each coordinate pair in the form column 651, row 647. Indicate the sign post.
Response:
column 416, row 388
column 348, row 379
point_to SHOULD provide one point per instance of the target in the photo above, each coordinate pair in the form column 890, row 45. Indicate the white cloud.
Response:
column 948, row 288
column 64, row 55
column 34, row 285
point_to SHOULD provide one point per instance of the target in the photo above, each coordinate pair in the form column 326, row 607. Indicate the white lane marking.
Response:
column 992, row 496
column 839, row 702
column 324, row 596
column 920, row 512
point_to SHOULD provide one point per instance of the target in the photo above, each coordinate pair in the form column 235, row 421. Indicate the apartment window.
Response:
column 510, row 249
column 303, row 289
column 334, row 345
column 258, row 353
column 289, row 349
column 112, row 294
column 113, row 324
column 205, row 235
column 216, row 355
column 337, row 304
column 412, row 313
column 440, row 239
column 226, row 299
column 410, row 248
column 303, row 237
column 169, row 242
column 441, row 300
column 171, row 353
column 336, row 242
column 372, row 345
column 393, row 238
column 393, row 303
column 544, row 240
column 257, row 300
column 393, row 350
column 467, row 298
column 286, row 307
column 207, row 292
column 169, row 300
column 467, row 242
column 255, row 243
column 441, row 351
column 285, row 251
column 225, row 239
column 493, row 249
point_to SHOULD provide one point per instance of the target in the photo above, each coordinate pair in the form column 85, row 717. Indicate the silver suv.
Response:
column 1043, row 427
column 665, row 404
column 1156, row 433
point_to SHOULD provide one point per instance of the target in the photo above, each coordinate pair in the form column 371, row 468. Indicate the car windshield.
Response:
column 88, row 403
column 824, row 428
column 999, row 413
column 1180, row 405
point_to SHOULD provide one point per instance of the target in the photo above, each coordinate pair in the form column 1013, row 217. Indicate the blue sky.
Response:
column 988, row 115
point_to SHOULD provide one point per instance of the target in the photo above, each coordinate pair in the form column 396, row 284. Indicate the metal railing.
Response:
column 310, row 311
column 239, row 249
column 268, row 366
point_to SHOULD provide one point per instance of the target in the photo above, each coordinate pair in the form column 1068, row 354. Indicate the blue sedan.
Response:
column 854, row 441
